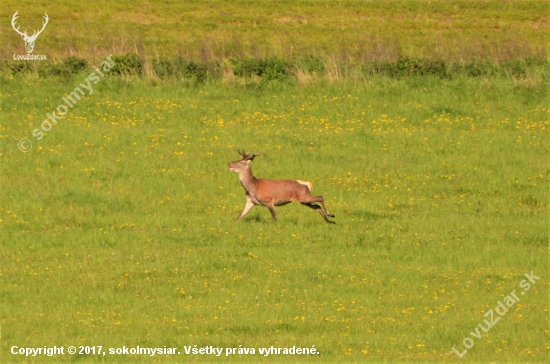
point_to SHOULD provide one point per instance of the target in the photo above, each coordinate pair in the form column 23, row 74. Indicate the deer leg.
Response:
column 272, row 209
column 318, row 209
column 248, row 205
column 322, row 201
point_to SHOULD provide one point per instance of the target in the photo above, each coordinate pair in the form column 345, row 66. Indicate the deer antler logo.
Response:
column 29, row 40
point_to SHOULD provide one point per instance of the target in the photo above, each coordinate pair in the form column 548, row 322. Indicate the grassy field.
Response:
column 118, row 226
column 218, row 29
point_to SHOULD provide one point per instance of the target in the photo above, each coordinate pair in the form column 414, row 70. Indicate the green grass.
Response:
column 117, row 228
column 215, row 29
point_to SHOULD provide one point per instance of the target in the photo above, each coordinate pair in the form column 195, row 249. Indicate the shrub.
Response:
column 75, row 65
column 267, row 69
column 127, row 64
column 19, row 67
column 163, row 68
column 195, row 72
column 53, row 69
column 272, row 69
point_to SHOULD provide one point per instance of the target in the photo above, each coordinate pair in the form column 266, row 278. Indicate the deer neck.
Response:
column 247, row 179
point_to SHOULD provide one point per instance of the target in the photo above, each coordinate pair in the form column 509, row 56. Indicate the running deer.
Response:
column 271, row 193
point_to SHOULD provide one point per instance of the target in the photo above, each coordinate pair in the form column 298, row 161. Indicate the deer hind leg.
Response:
column 318, row 209
column 248, row 205
column 320, row 199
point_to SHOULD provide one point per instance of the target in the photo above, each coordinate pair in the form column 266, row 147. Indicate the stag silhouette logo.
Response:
column 29, row 39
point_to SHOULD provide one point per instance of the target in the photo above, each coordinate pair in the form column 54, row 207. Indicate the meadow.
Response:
column 118, row 226
column 423, row 124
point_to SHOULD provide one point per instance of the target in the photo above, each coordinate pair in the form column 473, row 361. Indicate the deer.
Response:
column 29, row 40
column 271, row 193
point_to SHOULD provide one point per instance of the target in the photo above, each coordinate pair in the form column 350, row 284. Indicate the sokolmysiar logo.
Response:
column 69, row 101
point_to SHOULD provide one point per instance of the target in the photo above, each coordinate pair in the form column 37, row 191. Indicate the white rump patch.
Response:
column 308, row 184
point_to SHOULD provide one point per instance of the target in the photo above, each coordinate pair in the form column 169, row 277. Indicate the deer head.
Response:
column 241, row 165
column 29, row 40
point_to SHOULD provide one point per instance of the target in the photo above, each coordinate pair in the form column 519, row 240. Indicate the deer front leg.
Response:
column 272, row 209
column 248, row 205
